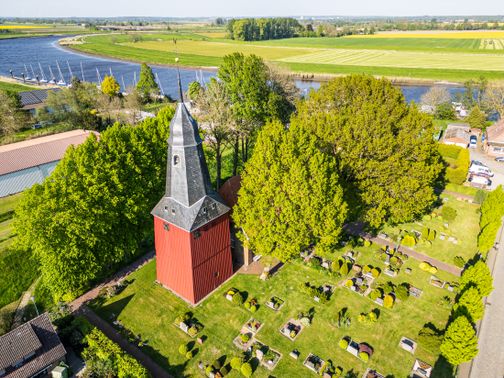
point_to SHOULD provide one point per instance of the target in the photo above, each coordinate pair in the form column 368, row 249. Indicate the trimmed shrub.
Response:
column 236, row 363
column 192, row 331
column 408, row 241
column 343, row 343
column 425, row 233
column 367, row 243
column 209, row 370
column 349, row 283
column 244, row 337
column 388, row 301
column 432, row 235
column 425, row 266
column 336, row 265
column 433, row 270
column 246, row 369
column 459, row 261
column 375, row 272
column 366, row 269
column 217, row 365
column 238, row 299
column 183, row 349
column 402, row 291
column 448, row 213
column 344, row 269
column 376, row 293
column 189, row 355
column 253, row 308
column 364, row 356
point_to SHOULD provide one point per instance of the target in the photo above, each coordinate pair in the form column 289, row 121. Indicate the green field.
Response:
column 8, row 86
column 149, row 310
column 454, row 59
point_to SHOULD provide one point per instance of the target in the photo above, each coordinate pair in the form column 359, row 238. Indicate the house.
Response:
column 27, row 163
column 494, row 143
column 191, row 221
column 457, row 134
column 32, row 100
column 31, row 350
column 421, row 370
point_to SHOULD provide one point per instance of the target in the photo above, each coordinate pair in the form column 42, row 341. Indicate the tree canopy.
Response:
column 147, row 85
column 460, row 343
column 470, row 304
column 256, row 29
column 93, row 212
column 110, row 86
column 476, row 119
column 12, row 118
column 492, row 211
column 478, row 275
column 386, row 154
column 290, row 197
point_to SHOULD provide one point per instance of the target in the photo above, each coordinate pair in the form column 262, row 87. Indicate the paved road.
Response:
column 489, row 363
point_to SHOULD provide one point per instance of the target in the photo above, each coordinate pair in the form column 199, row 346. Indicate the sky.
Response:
column 253, row 8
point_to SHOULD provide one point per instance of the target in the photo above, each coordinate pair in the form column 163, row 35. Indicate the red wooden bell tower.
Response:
column 191, row 221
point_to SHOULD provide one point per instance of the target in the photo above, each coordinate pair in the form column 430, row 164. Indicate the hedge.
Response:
column 456, row 172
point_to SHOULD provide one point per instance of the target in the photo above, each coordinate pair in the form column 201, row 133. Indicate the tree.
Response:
column 12, row 117
column 91, row 216
column 445, row 111
column 110, row 86
column 492, row 211
column 476, row 119
column 194, row 90
column 387, row 158
column 478, row 275
column 76, row 106
column 290, row 197
column 436, row 96
column 493, row 99
column 470, row 304
column 460, row 343
column 133, row 105
column 217, row 120
column 255, row 96
column 147, row 85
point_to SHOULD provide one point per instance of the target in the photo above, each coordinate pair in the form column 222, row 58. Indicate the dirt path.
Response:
column 356, row 229
column 25, row 299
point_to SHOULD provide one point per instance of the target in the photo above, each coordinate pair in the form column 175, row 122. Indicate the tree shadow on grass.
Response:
column 164, row 362
column 443, row 369
column 114, row 309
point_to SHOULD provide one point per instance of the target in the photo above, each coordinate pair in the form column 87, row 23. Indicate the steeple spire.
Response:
column 181, row 92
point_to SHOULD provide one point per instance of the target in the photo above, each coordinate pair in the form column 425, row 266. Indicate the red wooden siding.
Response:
column 173, row 259
column 193, row 267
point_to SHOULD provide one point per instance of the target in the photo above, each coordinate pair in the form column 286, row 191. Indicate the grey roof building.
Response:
column 30, row 350
column 189, row 201
column 27, row 163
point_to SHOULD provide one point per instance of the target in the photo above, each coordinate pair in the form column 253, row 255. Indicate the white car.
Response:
column 480, row 169
column 476, row 180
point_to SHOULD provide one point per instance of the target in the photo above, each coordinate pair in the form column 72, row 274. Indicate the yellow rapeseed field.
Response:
column 465, row 34
column 18, row 27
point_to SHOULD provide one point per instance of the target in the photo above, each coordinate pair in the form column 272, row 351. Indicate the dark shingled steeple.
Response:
column 189, row 201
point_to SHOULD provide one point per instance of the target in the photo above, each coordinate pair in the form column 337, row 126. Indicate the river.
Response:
column 18, row 52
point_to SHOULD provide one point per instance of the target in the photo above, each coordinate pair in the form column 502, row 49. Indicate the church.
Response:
column 191, row 221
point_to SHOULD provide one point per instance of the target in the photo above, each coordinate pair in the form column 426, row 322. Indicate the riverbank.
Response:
column 208, row 55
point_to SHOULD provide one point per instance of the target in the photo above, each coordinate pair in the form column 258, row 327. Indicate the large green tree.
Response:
column 93, row 212
column 492, row 211
column 478, row 275
column 470, row 304
column 12, row 117
column 217, row 120
column 386, row 154
column 255, row 96
column 290, row 197
column 460, row 343
column 147, row 85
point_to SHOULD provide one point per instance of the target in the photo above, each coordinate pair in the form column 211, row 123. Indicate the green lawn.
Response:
column 8, row 86
column 149, row 310
column 464, row 228
column 415, row 58
column 34, row 133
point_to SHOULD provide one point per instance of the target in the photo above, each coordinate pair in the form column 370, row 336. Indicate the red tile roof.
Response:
column 30, row 153
column 229, row 191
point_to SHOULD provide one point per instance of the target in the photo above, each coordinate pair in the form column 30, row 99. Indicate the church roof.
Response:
column 189, row 201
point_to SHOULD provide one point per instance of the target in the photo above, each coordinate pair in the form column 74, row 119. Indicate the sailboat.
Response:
column 70, row 70
column 53, row 78
column 134, row 78
column 111, row 74
column 124, row 85
column 42, row 74
column 82, row 72
column 98, row 77
column 61, row 81
column 159, row 83
column 26, row 75
column 34, row 76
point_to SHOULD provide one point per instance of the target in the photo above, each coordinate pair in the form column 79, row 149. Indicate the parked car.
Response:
column 480, row 169
column 473, row 141
column 477, row 162
column 500, row 159
column 479, row 181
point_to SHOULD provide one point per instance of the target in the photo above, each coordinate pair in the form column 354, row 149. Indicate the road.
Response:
column 489, row 363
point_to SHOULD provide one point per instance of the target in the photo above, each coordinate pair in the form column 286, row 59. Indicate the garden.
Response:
column 301, row 333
